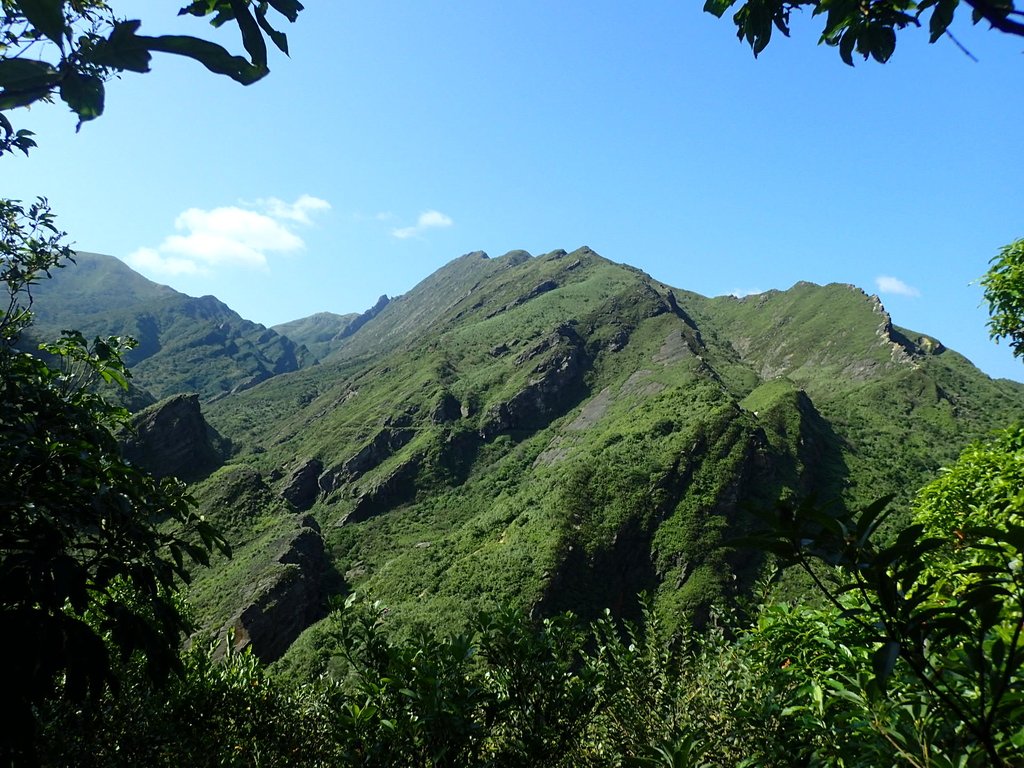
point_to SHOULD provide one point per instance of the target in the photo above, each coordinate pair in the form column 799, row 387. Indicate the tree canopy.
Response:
column 864, row 27
column 1004, row 293
column 70, row 48
column 92, row 549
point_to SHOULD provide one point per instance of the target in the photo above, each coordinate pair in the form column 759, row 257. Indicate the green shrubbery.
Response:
column 907, row 664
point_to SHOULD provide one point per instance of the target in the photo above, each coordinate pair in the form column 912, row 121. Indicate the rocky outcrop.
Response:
column 379, row 449
column 548, row 389
column 448, row 409
column 397, row 487
column 172, row 439
column 901, row 349
column 538, row 290
column 364, row 318
column 303, row 484
column 287, row 601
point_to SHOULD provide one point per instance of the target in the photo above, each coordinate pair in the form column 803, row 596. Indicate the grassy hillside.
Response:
column 563, row 432
column 318, row 333
column 555, row 432
column 186, row 344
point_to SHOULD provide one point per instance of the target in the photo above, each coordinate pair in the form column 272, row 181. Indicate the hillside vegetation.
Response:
column 535, row 511
column 186, row 344
column 564, row 432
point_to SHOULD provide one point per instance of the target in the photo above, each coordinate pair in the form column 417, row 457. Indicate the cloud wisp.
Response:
column 893, row 285
column 427, row 220
column 741, row 293
column 298, row 211
column 229, row 237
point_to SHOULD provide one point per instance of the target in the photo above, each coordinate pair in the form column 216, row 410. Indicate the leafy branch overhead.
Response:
column 70, row 48
column 865, row 27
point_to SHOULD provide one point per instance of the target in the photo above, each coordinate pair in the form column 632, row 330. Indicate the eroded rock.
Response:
column 286, row 602
column 303, row 484
column 172, row 439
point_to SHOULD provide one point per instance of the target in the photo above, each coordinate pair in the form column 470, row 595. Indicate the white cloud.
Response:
column 229, row 237
column 887, row 284
column 150, row 260
column 739, row 293
column 427, row 220
column 298, row 211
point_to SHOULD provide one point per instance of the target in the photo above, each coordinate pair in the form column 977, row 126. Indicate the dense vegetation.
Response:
column 514, row 437
column 87, row 570
column 918, row 661
column 913, row 656
column 560, row 432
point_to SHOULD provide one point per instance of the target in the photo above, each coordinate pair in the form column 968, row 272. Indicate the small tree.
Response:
column 92, row 549
column 1004, row 292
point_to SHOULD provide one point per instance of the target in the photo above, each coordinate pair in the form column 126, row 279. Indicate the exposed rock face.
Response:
column 448, row 409
column 901, row 348
column 539, row 289
column 364, row 318
column 548, row 389
column 379, row 449
column 172, row 438
column 303, row 484
column 287, row 602
column 398, row 487
column 383, row 445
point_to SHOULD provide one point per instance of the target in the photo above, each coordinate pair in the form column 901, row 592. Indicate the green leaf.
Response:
column 871, row 517
column 47, row 16
column 884, row 660
column 846, row 43
column 23, row 98
column 290, row 8
column 252, row 38
column 26, row 74
column 941, row 18
column 883, row 43
column 210, row 55
column 84, row 95
column 123, row 49
column 280, row 39
column 714, row 7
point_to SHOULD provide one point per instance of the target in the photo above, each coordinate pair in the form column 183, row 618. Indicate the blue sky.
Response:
column 401, row 135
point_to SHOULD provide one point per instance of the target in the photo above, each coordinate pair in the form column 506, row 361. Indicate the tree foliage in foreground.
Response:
column 1004, row 293
column 941, row 605
column 70, row 48
column 917, row 659
column 91, row 548
column 864, row 27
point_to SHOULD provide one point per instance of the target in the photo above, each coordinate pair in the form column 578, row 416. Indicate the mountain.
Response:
column 320, row 333
column 186, row 344
column 555, row 431
column 562, row 431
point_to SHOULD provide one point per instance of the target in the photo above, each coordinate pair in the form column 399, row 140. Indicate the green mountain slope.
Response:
column 186, row 344
column 563, row 432
column 321, row 333
column 559, row 432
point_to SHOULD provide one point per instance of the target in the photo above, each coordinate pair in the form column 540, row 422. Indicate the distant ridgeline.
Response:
column 558, row 432
column 185, row 344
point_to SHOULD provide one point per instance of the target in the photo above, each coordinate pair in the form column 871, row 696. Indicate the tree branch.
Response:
column 998, row 18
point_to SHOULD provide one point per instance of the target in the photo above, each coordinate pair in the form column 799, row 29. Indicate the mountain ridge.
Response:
column 562, row 431
column 185, row 343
